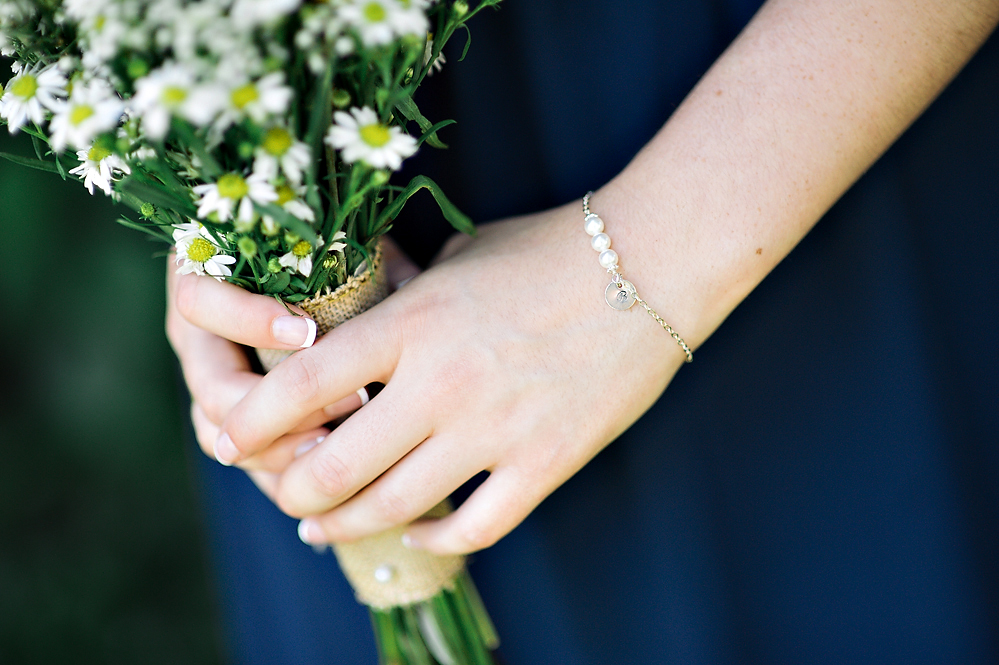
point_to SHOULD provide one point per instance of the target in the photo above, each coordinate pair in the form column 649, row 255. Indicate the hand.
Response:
column 503, row 358
column 206, row 323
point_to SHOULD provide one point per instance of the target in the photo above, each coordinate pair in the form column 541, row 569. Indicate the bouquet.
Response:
column 259, row 137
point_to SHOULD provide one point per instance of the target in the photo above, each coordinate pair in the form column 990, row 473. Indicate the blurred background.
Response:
column 101, row 552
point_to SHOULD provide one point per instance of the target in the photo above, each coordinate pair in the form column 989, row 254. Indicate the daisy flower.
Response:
column 99, row 166
column 256, row 99
column 92, row 108
column 360, row 136
column 381, row 21
column 299, row 258
column 171, row 90
column 289, row 199
column 198, row 254
column 29, row 94
column 279, row 148
column 428, row 52
column 233, row 191
column 251, row 13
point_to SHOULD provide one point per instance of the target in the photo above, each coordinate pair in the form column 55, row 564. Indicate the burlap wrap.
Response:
column 383, row 572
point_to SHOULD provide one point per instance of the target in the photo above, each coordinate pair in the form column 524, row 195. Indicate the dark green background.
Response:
column 101, row 550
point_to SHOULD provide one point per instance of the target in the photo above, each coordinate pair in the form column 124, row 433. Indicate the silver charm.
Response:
column 620, row 297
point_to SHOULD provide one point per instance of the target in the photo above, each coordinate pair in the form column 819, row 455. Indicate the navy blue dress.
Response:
column 821, row 486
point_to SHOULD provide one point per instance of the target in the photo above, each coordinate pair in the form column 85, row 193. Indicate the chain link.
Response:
column 617, row 276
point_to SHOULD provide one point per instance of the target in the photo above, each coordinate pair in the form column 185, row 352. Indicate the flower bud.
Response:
column 137, row 68
column 460, row 8
column 379, row 178
column 341, row 98
column 147, row 210
column 248, row 248
column 274, row 265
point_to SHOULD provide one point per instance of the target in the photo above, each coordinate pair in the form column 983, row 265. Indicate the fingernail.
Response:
column 363, row 394
column 310, row 532
column 307, row 446
column 226, row 451
column 410, row 542
column 294, row 331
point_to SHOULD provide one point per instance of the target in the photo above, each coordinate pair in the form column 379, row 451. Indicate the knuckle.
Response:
column 304, row 379
column 477, row 537
column 331, row 476
column 391, row 507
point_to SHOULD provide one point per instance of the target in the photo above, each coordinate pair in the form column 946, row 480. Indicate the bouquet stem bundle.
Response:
column 259, row 138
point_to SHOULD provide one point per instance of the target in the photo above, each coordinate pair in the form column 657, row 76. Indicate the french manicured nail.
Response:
column 226, row 451
column 294, row 331
column 307, row 446
column 310, row 532
column 410, row 542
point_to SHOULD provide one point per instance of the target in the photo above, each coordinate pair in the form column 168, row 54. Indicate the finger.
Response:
column 354, row 454
column 205, row 431
column 217, row 372
column 265, row 482
column 348, row 357
column 243, row 317
column 498, row 505
column 398, row 266
column 417, row 483
column 276, row 457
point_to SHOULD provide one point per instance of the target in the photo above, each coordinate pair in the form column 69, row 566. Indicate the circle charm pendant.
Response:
column 621, row 297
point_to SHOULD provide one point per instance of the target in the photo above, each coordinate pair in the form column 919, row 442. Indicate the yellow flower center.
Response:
column 243, row 95
column 302, row 249
column 375, row 135
column 80, row 113
column 97, row 153
column 277, row 141
column 284, row 194
column 374, row 12
column 172, row 95
column 200, row 250
column 25, row 86
column 232, row 186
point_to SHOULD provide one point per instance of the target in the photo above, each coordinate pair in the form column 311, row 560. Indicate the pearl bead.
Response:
column 384, row 573
column 600, row 242
column 593, row 224
column 608, row 258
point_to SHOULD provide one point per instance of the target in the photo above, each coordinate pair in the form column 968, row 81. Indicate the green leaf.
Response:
column 407, row 107
column 287, row 220
column 152, row 229
column 457, row 218
column 31, row 162
column 295, row 297
column 433, row 130
column 146, row 189
column 278, row 283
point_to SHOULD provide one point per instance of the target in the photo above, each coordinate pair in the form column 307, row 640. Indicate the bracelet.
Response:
column 620, row 293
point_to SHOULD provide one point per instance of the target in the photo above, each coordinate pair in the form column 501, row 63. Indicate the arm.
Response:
column 481, row 377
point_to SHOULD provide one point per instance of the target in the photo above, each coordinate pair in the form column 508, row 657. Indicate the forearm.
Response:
column 797, row 108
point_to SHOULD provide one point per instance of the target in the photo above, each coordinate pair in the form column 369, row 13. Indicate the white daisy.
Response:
column 428, row 52
column 99, row 166
column 289, row 198
column 337, row 246
column 234, row 191
column 92, row 108
column 381, row 21
column 186, row 232
column 199, row 255
column 251, row 13
column 255, row 99
column 299, row 258
column 171, row 90
column 29, row 94
column 279, row 148
column 360, row 136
